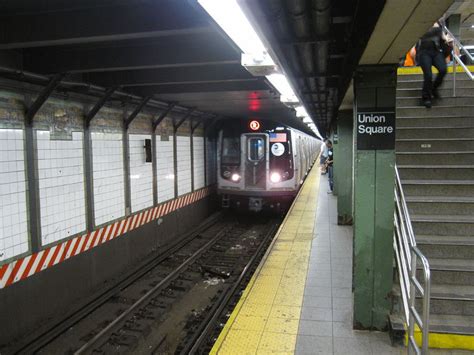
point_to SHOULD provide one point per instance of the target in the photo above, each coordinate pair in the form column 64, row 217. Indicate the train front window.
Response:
column 256, row 149
column 231, row 151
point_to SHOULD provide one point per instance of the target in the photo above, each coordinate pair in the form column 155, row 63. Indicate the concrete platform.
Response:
column 300, row 299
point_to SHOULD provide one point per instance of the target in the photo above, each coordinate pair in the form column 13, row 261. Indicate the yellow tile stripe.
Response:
column 444, row 340
column 267, row 315
column 417, row 70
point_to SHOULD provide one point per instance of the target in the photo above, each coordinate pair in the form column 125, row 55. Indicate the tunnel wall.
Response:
column 88, row 205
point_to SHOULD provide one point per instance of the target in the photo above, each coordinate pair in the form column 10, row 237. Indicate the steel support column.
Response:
column 155, row 123
column 176, row 125
column 154, row 165
column 136, row 111
column 373, row 198
column 193, row 128
column 88, row 178
column 34, row 213
column 33, row 109
column 126, row 171
column 88, row 163
column 343, row 159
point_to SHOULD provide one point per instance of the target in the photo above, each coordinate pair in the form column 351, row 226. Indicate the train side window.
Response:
column 256, row 149
column 231, row 151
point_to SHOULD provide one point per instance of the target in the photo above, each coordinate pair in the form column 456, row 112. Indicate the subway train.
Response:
column 262, row 164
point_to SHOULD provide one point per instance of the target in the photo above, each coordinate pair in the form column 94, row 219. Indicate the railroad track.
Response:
column 171, row 305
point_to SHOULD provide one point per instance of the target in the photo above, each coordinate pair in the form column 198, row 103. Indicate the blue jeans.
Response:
column 331, row 177
column 428, row 59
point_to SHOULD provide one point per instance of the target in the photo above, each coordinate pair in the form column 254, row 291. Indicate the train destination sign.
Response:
column 375, row 130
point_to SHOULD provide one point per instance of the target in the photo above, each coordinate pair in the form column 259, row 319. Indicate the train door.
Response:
column 256, row 160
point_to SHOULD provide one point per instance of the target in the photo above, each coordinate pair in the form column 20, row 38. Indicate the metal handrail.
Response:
column 408, row 258
column 457, row 60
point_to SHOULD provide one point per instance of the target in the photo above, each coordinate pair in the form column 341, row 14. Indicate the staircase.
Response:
column 435, row 157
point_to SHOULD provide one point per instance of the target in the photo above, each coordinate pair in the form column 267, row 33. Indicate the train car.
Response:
column 262, row 164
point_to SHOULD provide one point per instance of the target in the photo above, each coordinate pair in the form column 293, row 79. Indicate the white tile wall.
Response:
column 13, row 215
column 109, row 186
column 141, row 173
column 198, row 145
column 165, row 168
column 61, row 184
column 183, row 150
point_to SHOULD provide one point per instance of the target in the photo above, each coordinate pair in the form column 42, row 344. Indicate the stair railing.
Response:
column 408, row 257
column 459, row 48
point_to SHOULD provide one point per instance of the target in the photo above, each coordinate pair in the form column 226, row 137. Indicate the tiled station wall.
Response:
column 60, row 169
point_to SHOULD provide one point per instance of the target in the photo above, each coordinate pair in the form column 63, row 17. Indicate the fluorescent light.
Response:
column 301, row 111
column 229, row 15
column 280, row 82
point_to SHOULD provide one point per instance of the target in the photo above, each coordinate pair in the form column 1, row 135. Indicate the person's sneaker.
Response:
column 329, row 192
column 427, row 103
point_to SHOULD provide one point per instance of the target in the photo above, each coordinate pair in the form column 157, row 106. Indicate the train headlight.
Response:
column 235, row 177
column 275, row 177
column 226, row 174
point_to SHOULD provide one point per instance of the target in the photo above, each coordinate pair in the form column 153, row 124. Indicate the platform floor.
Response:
column 299, row 300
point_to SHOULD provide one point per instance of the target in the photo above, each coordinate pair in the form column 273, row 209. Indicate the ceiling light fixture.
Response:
column 230, row 17
column 301, row 111
column 255, row 58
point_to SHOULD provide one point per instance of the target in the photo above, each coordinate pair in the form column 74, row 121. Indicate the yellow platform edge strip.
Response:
column 225, row 331
column 444, row 340
column 418, row 71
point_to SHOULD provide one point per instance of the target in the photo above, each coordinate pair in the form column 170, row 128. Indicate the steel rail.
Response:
column 163, row 283
column 43, row 338
column 408, row 256
column 206, row 326
column 457, row 60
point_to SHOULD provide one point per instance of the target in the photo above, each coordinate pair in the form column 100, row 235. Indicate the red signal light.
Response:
column 254, row 125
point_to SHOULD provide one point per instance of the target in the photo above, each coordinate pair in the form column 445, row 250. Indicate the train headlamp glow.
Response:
column 235, row 177
column 275, row 177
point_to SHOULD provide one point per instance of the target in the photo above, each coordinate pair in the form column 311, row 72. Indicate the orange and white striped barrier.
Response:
column 27, row 266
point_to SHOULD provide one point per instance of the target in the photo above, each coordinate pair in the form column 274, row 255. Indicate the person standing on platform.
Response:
column 329, row 166
column 323, row 157
column 431, row 51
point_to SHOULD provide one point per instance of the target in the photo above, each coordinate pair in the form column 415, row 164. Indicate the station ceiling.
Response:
column 172, row 51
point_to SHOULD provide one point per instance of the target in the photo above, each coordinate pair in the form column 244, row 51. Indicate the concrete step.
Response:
column 438, row 187
column 443, row 92
column 439, row 246
column 417, row 83
column 466, row 131
column 460, row 76
column 440, row 205
column 452, row 324
column 436, row 172
column 456, row 101
column 450, row 299
column 434, row 145
column 443, row 224
column 431, row 158
column 434, row 121
column 450, row 271
column 436, row 110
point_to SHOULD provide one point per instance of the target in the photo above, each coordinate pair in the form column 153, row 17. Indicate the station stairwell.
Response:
column 435, row 158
